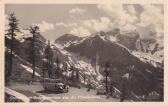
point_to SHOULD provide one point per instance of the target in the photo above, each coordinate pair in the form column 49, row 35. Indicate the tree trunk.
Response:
column 49, row 63
column 11, row 55
column 106, row 84
column 33, row 64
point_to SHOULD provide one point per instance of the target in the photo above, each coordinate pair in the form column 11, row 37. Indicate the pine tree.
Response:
column 161, row 82
column 13, row 28
column 123, row 93
column 72, row 73
column 77, row 75
column 44, row 67
column 34, row 51
column 58, row 70
column 84, row 78
column 57, row 66
column 49, row 59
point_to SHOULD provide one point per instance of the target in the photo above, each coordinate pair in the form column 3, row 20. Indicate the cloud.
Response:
column 87, row 27
column 45, row 26
column 103, row 23
column 128, row 28
column 152, row 18
column 76, row 10
column 80, row 31
column 147, row 21
column 66, row 24
column 131, row 10
column 118, row 14
column 118, row 17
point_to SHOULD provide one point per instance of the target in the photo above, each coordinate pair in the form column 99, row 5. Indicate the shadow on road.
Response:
column 48, row 92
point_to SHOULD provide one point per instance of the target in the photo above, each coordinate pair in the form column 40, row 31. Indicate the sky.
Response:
column 82, row 20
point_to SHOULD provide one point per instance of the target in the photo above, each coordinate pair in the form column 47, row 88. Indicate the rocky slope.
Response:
column 120, row 58
column 90, row 54
column 67, row 39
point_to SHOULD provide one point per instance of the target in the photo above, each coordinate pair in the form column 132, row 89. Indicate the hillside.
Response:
column 89, row 55
column 120, row 58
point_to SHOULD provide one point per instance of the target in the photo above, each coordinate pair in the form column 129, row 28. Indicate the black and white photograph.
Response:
column 111, row 52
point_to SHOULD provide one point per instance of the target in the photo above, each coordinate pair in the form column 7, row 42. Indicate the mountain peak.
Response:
column 66, row 39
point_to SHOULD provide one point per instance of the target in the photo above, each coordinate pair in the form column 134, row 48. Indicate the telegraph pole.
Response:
column 107, row 69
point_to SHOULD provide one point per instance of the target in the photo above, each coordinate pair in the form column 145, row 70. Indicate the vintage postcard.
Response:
column 85, row 52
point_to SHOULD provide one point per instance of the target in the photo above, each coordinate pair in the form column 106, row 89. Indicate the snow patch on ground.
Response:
column 29, row 69
column 16, row 94
column 126, row 76
column 81, row 63
column 112, row 39
column 103, row 38
column 20, row 36
column 14, row 54
column 18, row 57
column 67, row 44
column 85, row 66
column 61, row 49
column 147, row 58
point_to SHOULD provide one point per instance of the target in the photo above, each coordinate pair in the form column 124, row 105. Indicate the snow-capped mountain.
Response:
column 120, row 58
column 90, row 54
column 23, row 66
column 128, row 37
column 133, row 41
column 67, row 39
